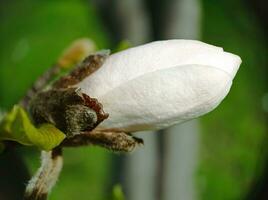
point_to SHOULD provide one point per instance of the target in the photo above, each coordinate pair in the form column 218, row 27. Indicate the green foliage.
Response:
column 16, row 126
column 233, row 135
column 34, row 33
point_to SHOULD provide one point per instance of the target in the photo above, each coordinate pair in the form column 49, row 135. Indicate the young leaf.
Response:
column 16, row 126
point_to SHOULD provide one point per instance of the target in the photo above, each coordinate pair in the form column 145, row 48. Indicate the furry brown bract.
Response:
column 112, row 140
column 68, row 109
column 65, row 106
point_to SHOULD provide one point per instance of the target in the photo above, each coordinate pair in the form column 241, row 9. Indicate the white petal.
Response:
column 165, row 97
column 129, row 64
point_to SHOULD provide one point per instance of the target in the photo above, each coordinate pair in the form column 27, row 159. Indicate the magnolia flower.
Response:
column 162, row 83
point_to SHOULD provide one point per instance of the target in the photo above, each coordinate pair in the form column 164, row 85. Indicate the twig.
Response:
column 41, row 183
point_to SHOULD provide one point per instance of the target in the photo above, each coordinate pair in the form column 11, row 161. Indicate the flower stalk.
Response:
column 46, row 177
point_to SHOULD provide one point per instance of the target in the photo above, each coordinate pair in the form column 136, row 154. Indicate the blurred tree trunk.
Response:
column 181, row 147
column 128, row 20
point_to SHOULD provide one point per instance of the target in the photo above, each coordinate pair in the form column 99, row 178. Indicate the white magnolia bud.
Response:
column 162, row 83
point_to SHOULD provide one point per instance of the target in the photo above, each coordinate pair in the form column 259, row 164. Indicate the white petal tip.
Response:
column 233, row 66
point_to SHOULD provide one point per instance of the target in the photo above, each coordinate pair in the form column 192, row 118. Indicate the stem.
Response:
column 42, row 182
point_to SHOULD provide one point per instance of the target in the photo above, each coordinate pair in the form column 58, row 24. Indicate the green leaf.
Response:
column 118, row 193
column 16, row 126
column 50, row 137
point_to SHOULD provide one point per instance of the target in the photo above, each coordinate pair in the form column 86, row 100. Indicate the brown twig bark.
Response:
column 41, row 183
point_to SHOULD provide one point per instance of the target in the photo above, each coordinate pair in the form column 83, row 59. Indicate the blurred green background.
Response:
column 232, row 159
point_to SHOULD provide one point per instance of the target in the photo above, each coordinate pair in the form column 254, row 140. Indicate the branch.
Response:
column 41, row 183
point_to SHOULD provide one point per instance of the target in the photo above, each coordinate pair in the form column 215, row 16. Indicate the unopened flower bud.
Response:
column 162, row 83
